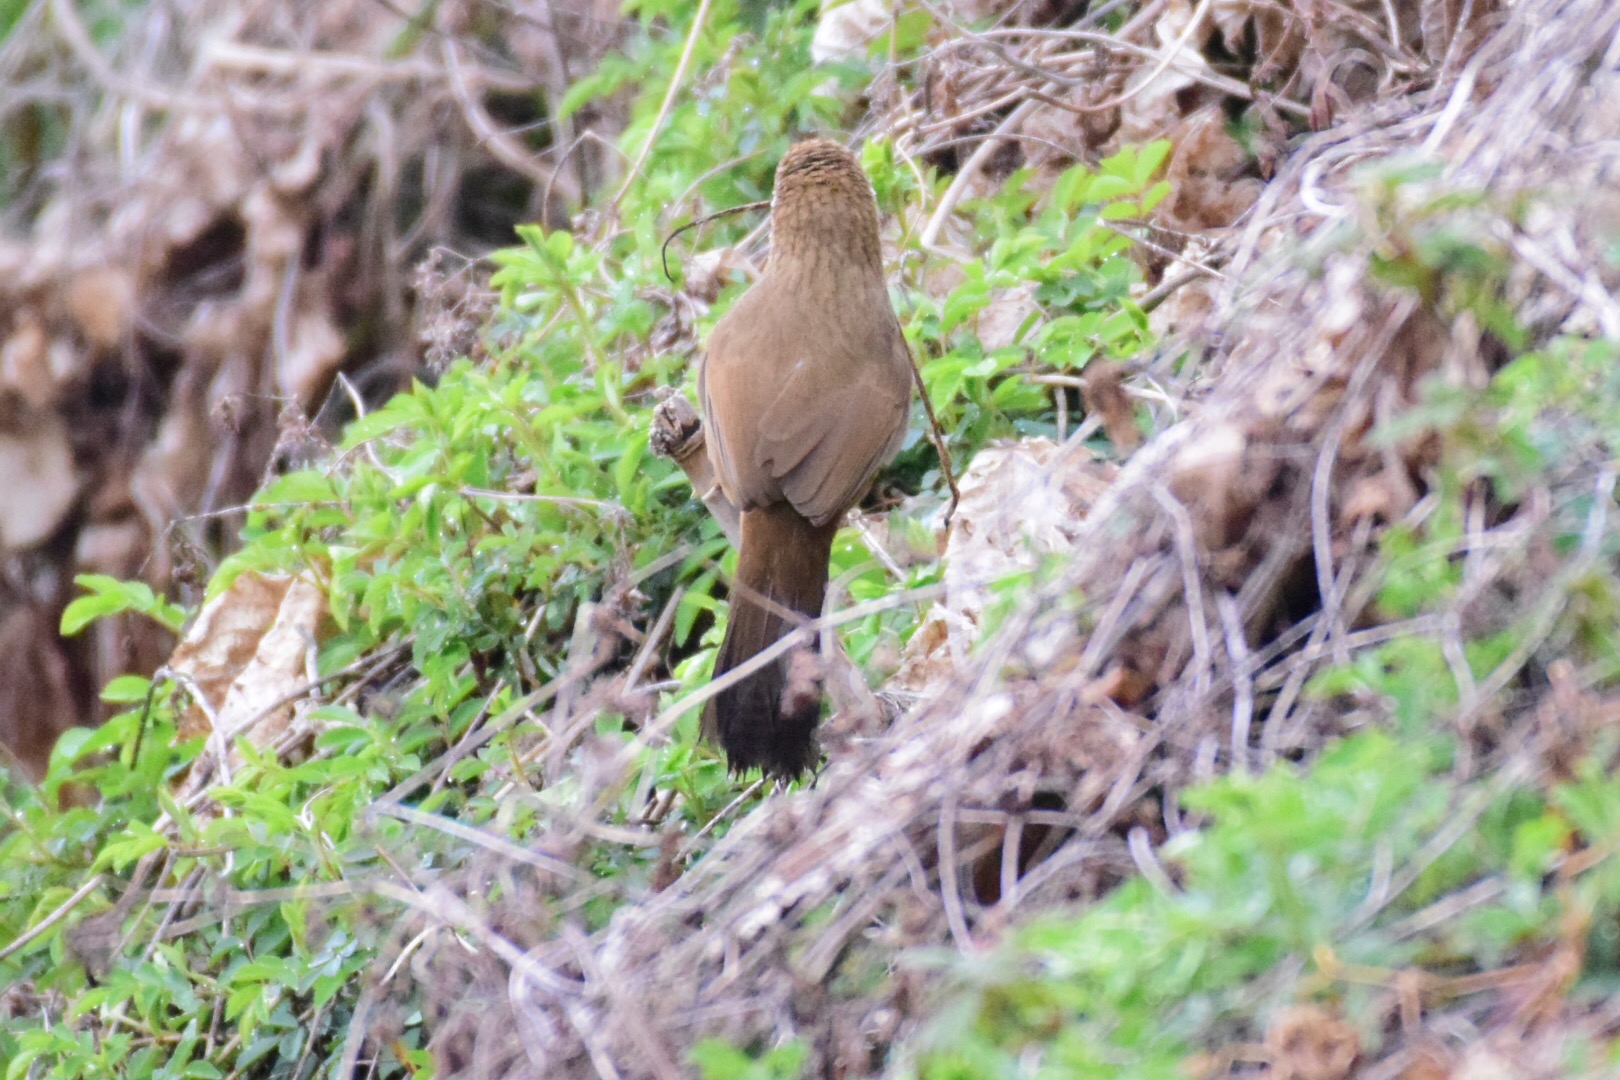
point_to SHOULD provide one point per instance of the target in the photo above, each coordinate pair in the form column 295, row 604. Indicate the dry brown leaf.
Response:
column 102, row 303
column 927, row 660
column 1057, row 137
column 1485, row 1062
column 1431, row 1061
column 1307, row 1042
column 1385, row 494
column 707, row 273
column 1278, row 40
column 1209, row 188
column 246, row 658
column 221, row 642
column 1204, row 476
column 315, row 350
column 36, row 695
column 1104, row 396
column 25, row 363
column 226, row 638
column 1004, row 315
column 38, row 478
column 280, row 666
column 1187, row 312
column 115, row 548
column 35, row 365
column 1123, row 685
column 1156, row 94
column 940, row 277
column 845, row 32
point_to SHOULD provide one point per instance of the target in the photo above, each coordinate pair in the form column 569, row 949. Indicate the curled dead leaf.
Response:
column 1208, row 174
column 101, row 301
column 25, row 364
column 1104, row 396
column 707, row 273
column 39, row 479
column 999, row 321
column 36, row 696
column 315, row 350
column 246, row 658
column 846, row 31
column 1307, row 1042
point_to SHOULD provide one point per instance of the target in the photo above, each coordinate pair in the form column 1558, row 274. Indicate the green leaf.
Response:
column 109, row 596
column 126, row 689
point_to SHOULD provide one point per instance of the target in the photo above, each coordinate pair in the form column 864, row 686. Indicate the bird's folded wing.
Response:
column 825, row 456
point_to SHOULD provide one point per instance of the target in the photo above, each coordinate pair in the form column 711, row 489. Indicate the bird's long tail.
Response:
column 781, row 581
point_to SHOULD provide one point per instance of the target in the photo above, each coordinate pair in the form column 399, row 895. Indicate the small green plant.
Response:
column 717, row 1060
column 1056, row 259
column 108, row 596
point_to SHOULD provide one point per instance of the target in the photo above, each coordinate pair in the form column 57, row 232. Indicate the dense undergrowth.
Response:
column 489, row 541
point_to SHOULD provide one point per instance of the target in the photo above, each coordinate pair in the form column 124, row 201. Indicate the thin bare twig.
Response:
column 699, row 19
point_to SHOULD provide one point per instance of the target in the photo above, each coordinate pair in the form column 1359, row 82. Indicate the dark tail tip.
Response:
column 768, row 720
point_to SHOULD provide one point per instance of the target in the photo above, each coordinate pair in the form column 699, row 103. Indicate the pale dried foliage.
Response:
column 246, row 663
column 1225, row 563
column 238, row 218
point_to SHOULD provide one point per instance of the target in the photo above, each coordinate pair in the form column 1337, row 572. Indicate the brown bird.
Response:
column 805, row 392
